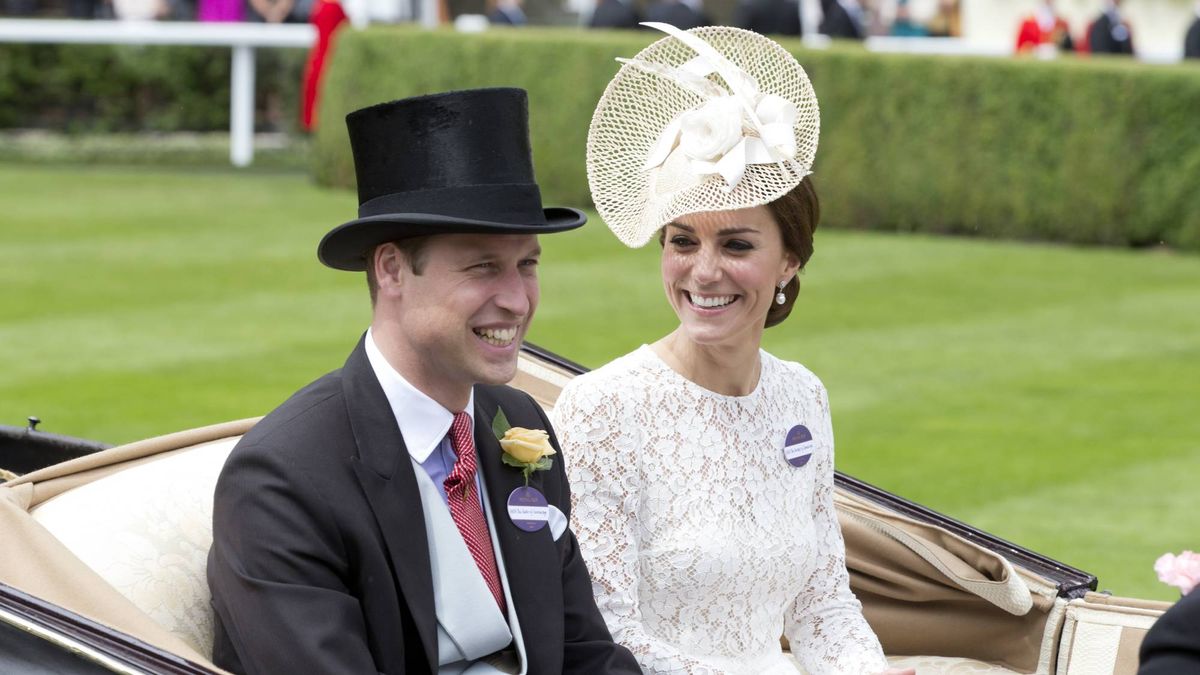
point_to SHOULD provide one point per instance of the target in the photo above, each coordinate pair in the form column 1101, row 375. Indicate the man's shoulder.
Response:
column 306, row 420
column 296, row 455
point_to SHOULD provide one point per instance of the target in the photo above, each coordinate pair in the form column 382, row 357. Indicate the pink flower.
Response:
column 1181, row 570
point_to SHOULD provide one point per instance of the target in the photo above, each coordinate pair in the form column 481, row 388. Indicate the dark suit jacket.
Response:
column 614, row 14
column 320, row 562
column 1191, row 43
column 1102, row 41
column 1172, row 647
column 677, row 14
column 768, row 17
column 503, row 18
column 837, row 23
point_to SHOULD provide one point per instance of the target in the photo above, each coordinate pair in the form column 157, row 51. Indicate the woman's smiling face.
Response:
column 721, row 271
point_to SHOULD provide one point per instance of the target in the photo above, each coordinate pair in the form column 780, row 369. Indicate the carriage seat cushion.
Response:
column 147, row 531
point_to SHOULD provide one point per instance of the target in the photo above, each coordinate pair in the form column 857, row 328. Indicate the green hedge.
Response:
column 89, row 88
column 1075, row 150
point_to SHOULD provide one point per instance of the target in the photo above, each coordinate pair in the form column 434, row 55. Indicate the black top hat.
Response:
column 457, row 162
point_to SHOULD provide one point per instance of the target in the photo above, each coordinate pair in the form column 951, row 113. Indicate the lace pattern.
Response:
column 703, row 543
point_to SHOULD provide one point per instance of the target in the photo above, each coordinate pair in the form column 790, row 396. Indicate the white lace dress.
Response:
column 704, row 543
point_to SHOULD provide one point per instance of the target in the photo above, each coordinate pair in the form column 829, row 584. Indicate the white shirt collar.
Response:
column 423, row 421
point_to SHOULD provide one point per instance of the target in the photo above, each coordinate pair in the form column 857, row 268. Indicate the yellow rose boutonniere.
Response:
column 526, row 449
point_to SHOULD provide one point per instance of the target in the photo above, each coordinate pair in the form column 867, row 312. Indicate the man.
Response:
column 1109, row 33
column 683, row 14
column 1191, row 41
column 841, row 20
column 614, row 14
column 508, row 13
column 1172, row 647
column 768, row 17
column 363, row 526
column 904, row 25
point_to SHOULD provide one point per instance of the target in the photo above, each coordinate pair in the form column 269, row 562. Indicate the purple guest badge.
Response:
column 528, row 509
column 798, row 446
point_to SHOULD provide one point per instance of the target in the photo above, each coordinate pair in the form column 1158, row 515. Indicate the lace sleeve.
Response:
column 599, row 432
column 825, row 624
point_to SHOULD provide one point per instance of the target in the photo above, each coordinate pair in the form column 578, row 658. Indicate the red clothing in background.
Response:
column 327, row 16
column 1030, row 36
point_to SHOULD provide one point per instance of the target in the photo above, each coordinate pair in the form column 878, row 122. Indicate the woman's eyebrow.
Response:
column 724, row 232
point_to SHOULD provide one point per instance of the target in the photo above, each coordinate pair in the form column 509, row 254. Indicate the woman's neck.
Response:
column 726, row 370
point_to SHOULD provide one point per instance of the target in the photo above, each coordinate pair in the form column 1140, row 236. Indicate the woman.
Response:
column 702, row 466
column 1044, row 29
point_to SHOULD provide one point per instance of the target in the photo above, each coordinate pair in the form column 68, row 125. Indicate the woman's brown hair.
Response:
column 797, row 214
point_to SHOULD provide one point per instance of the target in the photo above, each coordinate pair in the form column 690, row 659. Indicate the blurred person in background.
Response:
column 279, row 11
column 1044, row 27
column 139, row 10
column 363, row 13
column 221, row 11
column 614, row 14
column 683, row 14
column 904, row 26
column 948, row 20
column 19, row 7
column 841, row 19
column 1191, row 43
column 508, row 13
column 79, row 9
column 328, row 16
column 768, row 17
column 1110, row 33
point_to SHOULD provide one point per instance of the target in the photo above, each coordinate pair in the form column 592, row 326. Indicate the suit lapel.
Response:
column 531, row 559
column 391, row 489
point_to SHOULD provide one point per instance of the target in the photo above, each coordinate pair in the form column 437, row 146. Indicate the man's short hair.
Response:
column 414, row 251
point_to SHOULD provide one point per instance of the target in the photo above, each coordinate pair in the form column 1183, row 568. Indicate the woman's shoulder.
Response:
column 795, row 381
column 791, row 370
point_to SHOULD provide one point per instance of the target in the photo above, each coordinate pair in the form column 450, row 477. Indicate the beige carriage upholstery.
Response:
column 122, row 537
column 147, row 531
column 148, row 580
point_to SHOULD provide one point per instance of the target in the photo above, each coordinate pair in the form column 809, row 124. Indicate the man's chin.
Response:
column 497, row 373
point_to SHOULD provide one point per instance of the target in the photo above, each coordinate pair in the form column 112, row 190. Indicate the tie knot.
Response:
column 464, row 450
column 460, row 425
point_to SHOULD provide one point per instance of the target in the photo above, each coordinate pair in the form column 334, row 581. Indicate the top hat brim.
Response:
column 347, row 245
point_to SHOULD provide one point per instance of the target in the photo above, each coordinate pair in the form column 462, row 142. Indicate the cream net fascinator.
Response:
column 711, row 119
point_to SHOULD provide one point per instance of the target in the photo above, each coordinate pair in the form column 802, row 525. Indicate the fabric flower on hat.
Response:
column 733, row 128
column 1182, row 571
column 712, row 130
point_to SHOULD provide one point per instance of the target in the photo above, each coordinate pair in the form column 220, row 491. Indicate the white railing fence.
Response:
column 242, row 38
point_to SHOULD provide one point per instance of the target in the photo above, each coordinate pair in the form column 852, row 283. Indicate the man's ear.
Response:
column 391, row 269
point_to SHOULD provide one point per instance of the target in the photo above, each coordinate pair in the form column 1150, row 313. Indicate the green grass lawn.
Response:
column 1043, row 393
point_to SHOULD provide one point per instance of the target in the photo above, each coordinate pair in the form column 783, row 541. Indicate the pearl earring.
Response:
column 780, row 298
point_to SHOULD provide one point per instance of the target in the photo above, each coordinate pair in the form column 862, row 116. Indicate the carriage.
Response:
column 102, row 567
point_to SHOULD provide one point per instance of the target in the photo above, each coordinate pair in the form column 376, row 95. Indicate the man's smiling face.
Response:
column 462, row 319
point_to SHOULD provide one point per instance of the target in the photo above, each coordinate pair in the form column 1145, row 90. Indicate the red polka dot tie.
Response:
column 464, row 505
